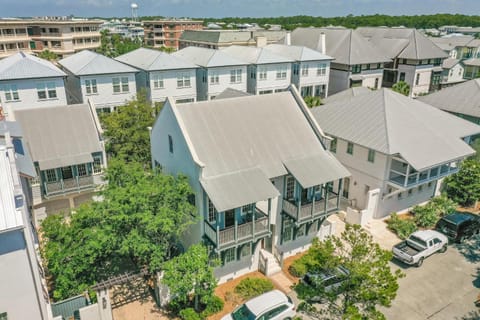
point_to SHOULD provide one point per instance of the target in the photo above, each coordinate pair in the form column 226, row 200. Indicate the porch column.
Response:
column 406, row 177
column 340, row 185
column 325, row 193
column 253, row 219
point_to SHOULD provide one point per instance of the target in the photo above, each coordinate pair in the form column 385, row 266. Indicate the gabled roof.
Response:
column 346, row 46
column 25, row 66
column 243, row 142
column 450, row 43
column 229, row 36
column 154, row 60
column 450, row 63
column 403, row 43
column 60, row 136
column 207, row 58
column 475, row 62
column 346, row 94
column 462, row 98
column 232, row 93
column 255, row 55
column 395, row 124
column 297, row 53
column 87, row 62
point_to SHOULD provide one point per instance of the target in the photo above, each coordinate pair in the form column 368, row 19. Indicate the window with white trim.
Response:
column 229, row 255
column 304, row 70
column 214, row 77
column 120, row 84
column 212, row 212
column 282, row 73
column 236, row 76
column 91, row 86
column 158, row 82
column 82, row 170
column 321, row 69
column 183, row 80
column 46, row 90
column 262, row 74
column 97, row 164
column 11, row 92
column 51, row 175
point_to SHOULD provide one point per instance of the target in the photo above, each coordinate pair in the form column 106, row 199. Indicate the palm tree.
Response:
column 401, row 87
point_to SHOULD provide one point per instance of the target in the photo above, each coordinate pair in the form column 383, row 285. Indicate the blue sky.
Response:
column 242, row 8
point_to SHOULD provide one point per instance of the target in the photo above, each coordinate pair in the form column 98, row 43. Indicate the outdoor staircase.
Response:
column 268, row 263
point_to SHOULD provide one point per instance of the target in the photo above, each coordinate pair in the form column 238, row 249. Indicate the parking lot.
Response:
column 443, row 288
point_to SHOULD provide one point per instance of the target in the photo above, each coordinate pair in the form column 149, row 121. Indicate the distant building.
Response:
column 463, row 30
column 166, row 33
column 163, row 75
column 27, row 81
column 106, row 82
column 126, row 29
column 61, row 36
column 216, row 39
column 453, row 72
column 23, row 293
column 216, row 71
column 356, row 62
column 416, row 60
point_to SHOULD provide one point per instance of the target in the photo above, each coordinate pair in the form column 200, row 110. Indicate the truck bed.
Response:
column 407, row 249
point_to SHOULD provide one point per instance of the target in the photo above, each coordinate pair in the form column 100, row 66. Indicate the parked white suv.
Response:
column 273, row 305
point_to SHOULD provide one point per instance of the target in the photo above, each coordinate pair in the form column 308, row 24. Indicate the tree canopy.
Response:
column 114, row 45
column 369, row 283
column 463, row 187
column 142, row 214
column 126, row 130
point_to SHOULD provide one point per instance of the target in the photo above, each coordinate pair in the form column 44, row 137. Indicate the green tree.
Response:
column 401, row 87
column 463, row 187
column 312, row 101
column 48, row 55
column 142, row 214
column 369, row 284
column 113, row 45
column 190, row 278
column 127, row 130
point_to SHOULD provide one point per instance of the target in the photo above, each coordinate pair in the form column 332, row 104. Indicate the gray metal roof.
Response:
column 346, row 94
column 298, row 53
column 346, row 46
column 394, row 124
column 25, row 66
column 9, row 216
column 404, row 43
column 451, row 42
column 60, row 136
column 207, row 58
column 87, row 62
column 231, row 93
column 315, row 169
column 255, row 55
column 462, row 98
column 154, row 60
column 450, row 63
column 230, row 36
column 475, row 62
column 22, row 155
column 237, row 137
column 232, row 190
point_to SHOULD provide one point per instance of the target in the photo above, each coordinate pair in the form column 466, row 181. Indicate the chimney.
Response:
column 322, row 40
column 288, row 38
column 261, row 41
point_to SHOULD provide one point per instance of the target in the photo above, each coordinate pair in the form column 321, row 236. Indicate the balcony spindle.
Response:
column 218, row 235
column 235, row 235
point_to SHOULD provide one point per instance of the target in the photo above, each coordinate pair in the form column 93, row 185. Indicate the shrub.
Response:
column 403, row 228
column 426, row 216
column 298, row 268
column 189, row 314
column 444, row 205
column 252, row 287
column 213, row 304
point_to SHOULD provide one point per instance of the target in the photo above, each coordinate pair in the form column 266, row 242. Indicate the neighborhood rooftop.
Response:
column 394, row 124
column 230, row 36
column 298, row 53
column 154, row 60
column 25, row 66
column 255, row 55
column 204, row 57
column 60, row 136
column 463, row 98
column 90, row 63
column 345, row 45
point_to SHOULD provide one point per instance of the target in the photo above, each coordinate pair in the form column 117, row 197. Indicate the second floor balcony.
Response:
column 308, row 209
column 247, row 229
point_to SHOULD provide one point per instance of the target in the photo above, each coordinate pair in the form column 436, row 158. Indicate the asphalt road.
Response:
column 443, row 288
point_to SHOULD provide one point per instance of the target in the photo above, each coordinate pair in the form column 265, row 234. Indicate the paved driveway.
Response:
column 443, row 288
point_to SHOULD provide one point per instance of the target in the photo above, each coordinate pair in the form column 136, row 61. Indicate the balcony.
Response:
column 239, row 233
column 65, row 186
column 311, row 209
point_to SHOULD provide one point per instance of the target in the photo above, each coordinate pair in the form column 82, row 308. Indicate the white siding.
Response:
column 170, row 88
column 214, row 90
column 339, row 81
column 105, row 97
column 271, row 82
column 454, row 75
column 27, row 91
column 425, row 74
column 369, row 77
column 313, row 79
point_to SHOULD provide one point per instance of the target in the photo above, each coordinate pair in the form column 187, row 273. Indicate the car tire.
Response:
column 443, row 249
column 420, row 262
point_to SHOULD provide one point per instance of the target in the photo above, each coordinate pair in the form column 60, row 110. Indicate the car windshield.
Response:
column 242, row 313
column 445, row 225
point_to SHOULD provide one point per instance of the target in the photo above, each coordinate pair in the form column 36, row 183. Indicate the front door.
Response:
column 229, row 218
